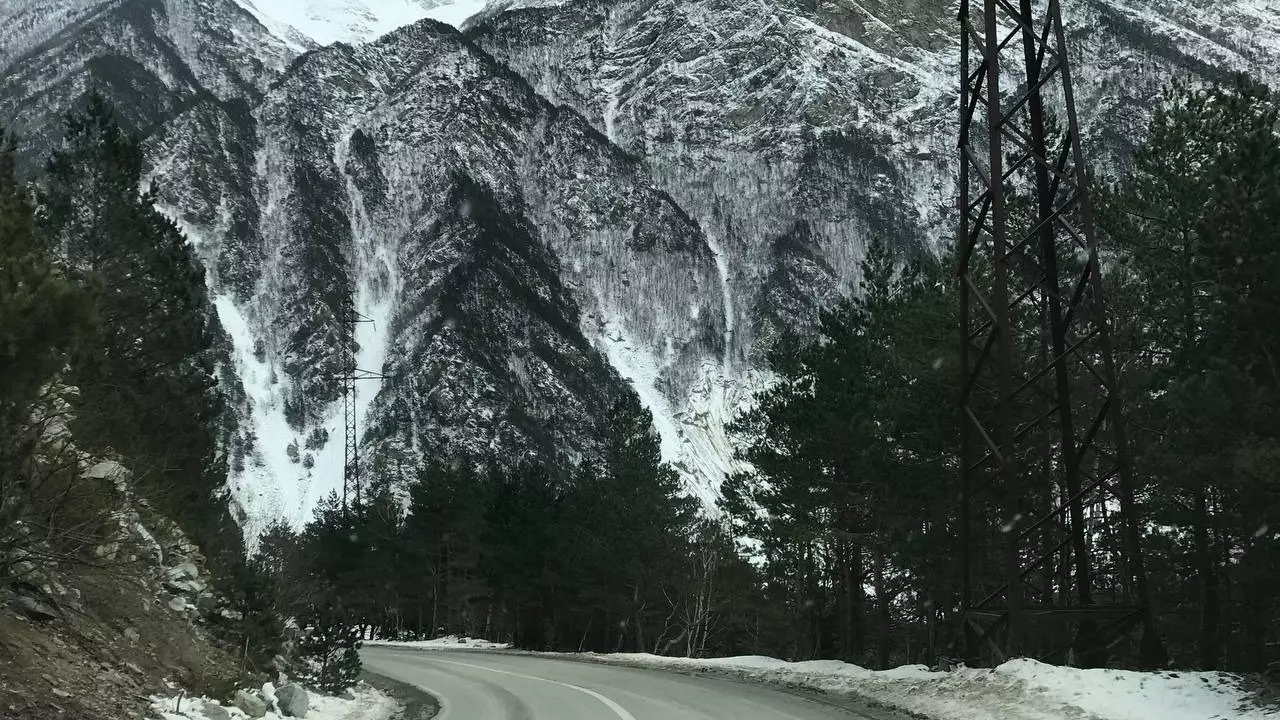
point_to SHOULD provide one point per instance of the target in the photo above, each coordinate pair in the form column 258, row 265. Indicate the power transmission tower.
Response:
column 350, row 374
column 1051, row 561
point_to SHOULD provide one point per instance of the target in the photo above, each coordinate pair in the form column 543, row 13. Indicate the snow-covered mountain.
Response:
column 569, row 196
column 307, row 24
column 795, row 130
column 490, row 236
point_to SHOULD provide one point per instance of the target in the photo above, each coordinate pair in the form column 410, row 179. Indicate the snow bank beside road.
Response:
column 1016, row 690
column 449, row 642
column 364, row 703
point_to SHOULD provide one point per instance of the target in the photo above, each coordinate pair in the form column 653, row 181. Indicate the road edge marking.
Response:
column 618, row 710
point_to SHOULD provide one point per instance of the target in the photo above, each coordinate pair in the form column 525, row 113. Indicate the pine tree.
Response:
column 330, row 652
column 41, row 311
column 633, row 506
column 442, row 544
column 521, row 522
column 1193, row 226
column 852, row 462
column 43, row 318
column 147, row 388
column 252, row 592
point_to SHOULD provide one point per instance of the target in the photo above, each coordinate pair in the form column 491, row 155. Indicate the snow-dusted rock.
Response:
column 182, row 571
column 106, row 551
column 250, row 704
column 191, row 587
column 106, row 470
column 293, row 700
column 269, row 694
column 214, row 712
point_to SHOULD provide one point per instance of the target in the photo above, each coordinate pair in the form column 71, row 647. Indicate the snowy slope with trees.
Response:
column 787, row 133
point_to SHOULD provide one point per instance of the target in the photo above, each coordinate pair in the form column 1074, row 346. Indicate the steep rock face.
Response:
column 27, row 23
column 795, row 130
column 486, row 352
column 149, row 57
column 753, row 116
column 358, row 173
column 790, row 144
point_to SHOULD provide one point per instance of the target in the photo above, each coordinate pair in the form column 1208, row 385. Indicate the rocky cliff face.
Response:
column 794, row 131
column 501, row 248
column 571, row 197
column 154, row 58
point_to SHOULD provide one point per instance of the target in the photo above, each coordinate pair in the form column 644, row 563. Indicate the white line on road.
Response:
column 615, row 707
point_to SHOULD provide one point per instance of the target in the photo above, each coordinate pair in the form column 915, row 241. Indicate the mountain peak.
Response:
column 305, row 24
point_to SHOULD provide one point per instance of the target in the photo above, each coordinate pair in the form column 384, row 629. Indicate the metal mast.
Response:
column 1047, row 496
column 347, row 348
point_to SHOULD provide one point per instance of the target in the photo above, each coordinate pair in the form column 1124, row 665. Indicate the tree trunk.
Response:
column 858, row 601
column 883, row 616
column 639, row 609
column 1210, row 610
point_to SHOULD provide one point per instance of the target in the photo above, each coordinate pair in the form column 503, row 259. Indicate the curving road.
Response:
column 499, row 686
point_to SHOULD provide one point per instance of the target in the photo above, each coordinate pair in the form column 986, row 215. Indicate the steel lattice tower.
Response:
column 1047, row 497
column 349, row 375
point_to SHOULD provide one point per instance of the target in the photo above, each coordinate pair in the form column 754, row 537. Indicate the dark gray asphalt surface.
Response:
column 507, row 686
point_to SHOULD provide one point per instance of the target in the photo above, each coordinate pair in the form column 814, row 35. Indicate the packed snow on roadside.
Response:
column 1017, row 690
column 449, row 642
column 363, row 703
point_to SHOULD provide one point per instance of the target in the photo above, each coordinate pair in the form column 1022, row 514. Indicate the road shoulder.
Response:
column 415, row 703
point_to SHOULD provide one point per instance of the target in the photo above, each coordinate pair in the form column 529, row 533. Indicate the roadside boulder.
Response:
column 215, row 712
column 293, row 701
column 250, row 704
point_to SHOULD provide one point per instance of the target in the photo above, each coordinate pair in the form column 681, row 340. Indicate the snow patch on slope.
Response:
column 273, row 485
column 637, row 365
column 694, row 438
column 376, row 269
column 273, row 482
column 365, row 703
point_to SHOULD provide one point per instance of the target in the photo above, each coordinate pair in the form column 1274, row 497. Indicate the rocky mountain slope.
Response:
column 573, row 194
column 153, row 58
column 486, row 234
column 795, row 131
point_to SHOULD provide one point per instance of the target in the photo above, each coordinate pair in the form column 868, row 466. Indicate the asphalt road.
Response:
column 498, row 686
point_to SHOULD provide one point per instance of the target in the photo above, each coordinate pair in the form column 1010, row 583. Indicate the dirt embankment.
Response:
column 93, row 639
